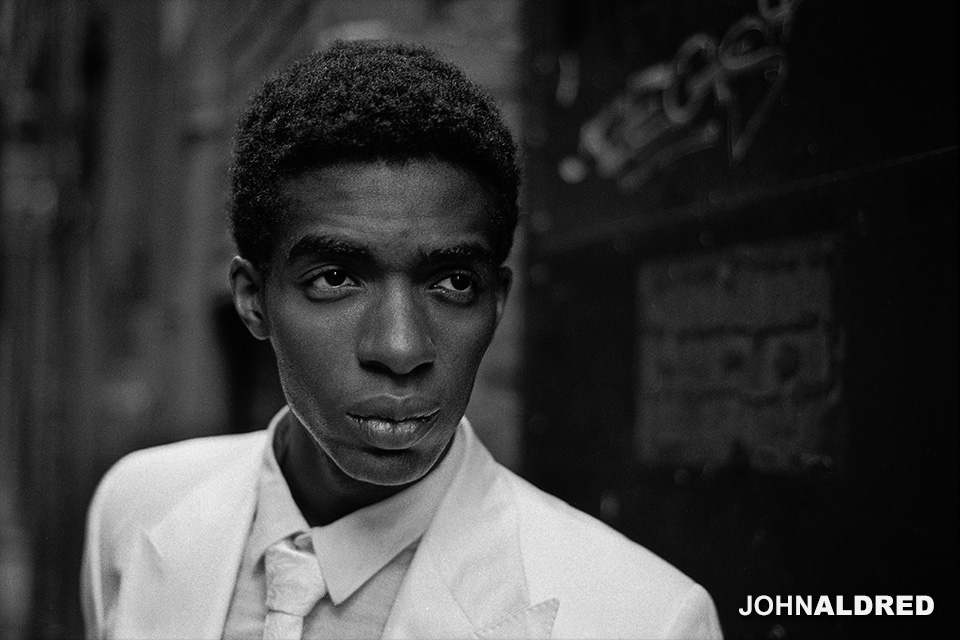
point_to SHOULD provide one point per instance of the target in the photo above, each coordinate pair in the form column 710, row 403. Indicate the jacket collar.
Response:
column 183, row 571
column 466, row 579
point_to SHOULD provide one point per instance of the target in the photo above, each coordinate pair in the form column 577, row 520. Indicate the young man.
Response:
column 374, row 200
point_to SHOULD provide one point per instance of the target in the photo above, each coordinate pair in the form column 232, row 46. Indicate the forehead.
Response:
column 421, row 204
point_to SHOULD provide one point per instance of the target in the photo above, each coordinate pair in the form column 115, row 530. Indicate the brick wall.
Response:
column 739, row 357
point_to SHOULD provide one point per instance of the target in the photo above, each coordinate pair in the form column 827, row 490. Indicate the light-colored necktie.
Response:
column 294, row 586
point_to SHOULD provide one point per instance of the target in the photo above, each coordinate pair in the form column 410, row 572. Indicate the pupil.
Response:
column 335, row 278
column 460, row 283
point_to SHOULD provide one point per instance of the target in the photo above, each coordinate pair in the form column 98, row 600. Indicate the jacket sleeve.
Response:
column 696, row 617
column 91, row 592
column 99, row 580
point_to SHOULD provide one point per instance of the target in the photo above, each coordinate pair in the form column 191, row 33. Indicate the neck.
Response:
column 322, row 491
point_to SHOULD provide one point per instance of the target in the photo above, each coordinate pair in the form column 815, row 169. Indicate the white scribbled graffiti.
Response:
column 673, row 109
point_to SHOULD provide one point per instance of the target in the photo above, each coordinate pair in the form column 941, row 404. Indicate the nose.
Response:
column 396, row 334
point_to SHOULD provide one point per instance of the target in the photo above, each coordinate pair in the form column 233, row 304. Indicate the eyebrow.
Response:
column 465, row 252
column 315, row 245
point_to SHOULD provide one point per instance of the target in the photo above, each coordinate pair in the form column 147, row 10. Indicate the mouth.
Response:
column 390, row 422
column 394, row 432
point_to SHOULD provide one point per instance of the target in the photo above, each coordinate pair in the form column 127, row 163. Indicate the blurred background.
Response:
column 734, row 331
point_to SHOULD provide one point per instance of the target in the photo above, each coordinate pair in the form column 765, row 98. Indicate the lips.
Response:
column 392, row 422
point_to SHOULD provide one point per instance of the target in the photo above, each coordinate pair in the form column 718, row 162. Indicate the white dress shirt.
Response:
column 363, row 556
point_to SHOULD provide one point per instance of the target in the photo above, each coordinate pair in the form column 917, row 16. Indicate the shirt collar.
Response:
column 354, row 548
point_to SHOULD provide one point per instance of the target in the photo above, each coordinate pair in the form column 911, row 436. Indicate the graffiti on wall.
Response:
column 673, row 109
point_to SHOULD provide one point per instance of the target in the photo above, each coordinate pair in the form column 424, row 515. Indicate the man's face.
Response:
column 380, row 303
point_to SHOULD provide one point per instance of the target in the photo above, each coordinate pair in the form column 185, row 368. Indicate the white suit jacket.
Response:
column 501, row 559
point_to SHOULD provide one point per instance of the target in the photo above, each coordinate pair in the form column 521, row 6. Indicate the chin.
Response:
column 388, row 468
column 376, row 466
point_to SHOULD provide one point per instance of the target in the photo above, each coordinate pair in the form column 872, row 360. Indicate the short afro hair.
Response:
column 365, row 102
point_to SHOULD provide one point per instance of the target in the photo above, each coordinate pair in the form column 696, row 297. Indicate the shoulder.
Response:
column 137, row 493
column 186, row 461
column 141, row 487
column 607, row 584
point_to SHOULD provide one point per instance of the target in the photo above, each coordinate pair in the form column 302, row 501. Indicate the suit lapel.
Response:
column 467, row 577
column 188, row 562
column 536, row 621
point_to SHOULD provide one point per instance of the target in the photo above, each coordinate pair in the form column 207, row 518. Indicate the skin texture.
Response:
column 381, row 299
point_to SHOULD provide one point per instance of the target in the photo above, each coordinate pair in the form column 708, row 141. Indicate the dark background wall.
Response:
column 741, row 346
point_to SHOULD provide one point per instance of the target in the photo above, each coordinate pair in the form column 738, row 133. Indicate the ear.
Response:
column 247, row 284
column 504, row 281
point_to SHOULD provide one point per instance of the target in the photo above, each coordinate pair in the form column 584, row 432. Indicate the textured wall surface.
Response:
column 740, row 356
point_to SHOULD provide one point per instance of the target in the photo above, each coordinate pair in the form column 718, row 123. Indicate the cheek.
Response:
column 468, row 340
column 309, row 352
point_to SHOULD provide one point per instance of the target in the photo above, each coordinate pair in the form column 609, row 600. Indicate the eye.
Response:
column 334, row 277
column 330, row 282
column 457, row 283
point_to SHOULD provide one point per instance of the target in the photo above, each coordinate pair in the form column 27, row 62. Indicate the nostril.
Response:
column 398, row 356
column 397, row 370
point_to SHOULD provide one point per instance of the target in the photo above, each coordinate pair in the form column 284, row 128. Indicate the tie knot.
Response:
column 294, row 582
